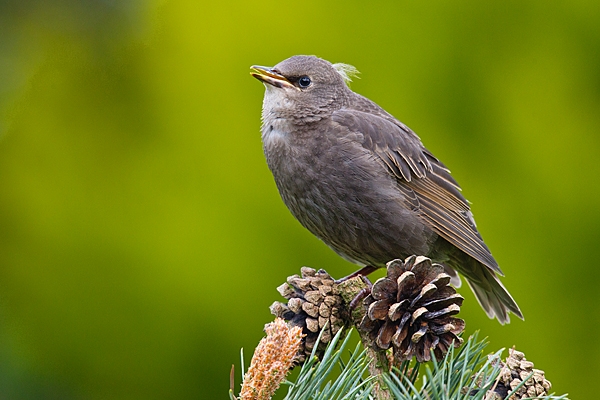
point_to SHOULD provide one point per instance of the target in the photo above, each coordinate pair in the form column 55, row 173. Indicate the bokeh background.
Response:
column 141, row 234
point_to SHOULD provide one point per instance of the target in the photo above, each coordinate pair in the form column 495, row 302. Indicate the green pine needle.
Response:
column 465, row 373
column 352, row 383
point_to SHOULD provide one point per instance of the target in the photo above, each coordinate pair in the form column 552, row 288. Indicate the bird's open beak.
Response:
column 267, row 75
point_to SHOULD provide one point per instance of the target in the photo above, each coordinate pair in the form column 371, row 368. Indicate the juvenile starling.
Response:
column 362, row 181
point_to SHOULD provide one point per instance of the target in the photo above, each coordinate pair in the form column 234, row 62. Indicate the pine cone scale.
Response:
column 379, row 309
column 411, row 310
column 417, row 314
column 452, row 309
column 397, row 310
column 425, row 293
column 406, row 282
column 517, row 371
column 382, row 289
column 441, row 280
column 384, row 337
column 436, row 304
column 313, row 305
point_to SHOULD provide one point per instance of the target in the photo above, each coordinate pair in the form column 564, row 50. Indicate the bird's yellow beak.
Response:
column 267, row 75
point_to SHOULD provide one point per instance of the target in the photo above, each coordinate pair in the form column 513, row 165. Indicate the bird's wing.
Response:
column 425, row 181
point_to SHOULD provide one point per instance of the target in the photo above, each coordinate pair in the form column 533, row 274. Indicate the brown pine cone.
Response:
column 516, row 370
column 312, row 303
column 412, row 309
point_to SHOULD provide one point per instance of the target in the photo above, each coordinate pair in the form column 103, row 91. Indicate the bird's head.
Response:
column 305, row 86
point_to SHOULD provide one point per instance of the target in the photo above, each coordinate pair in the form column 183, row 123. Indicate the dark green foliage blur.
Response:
column 142, row 237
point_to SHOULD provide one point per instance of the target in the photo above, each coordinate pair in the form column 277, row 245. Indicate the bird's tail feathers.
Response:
column 489, row 291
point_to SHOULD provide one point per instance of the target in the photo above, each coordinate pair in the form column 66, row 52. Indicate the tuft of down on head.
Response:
column 347, row 71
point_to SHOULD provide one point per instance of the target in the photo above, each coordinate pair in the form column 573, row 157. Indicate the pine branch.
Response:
column 410, row 343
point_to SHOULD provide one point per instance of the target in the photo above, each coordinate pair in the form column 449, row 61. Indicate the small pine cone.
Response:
column 516, row 370
column 312, row 303
column 411, row 310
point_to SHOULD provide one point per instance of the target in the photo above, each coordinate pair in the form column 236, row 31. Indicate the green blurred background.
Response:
column 143, row 237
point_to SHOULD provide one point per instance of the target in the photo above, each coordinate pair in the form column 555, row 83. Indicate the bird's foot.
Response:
column 360, row 296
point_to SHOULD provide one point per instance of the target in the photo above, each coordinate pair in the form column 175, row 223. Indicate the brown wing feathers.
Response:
column 418, row 171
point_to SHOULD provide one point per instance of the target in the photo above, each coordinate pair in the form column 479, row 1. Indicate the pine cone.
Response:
column 312, row 303
column 412, row 310
column 516, row 370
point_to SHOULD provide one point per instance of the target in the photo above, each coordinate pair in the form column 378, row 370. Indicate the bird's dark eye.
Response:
column 304, row 82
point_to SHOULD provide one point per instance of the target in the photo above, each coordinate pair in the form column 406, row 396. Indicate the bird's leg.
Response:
column 364, row 271
column 360, row 296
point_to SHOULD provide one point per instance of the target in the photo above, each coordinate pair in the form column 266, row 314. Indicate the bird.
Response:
column 362, row 181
